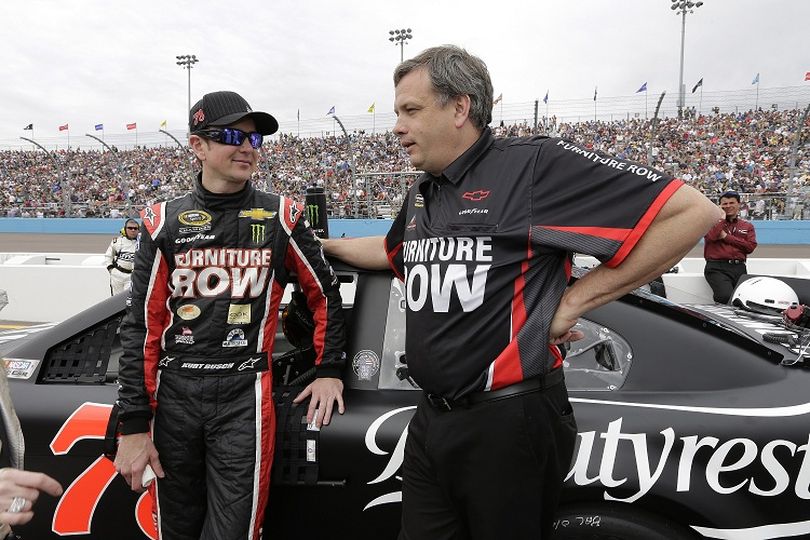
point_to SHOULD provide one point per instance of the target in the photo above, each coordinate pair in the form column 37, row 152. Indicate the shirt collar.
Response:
column 456, row 170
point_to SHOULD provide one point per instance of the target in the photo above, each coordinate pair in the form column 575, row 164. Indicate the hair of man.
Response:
column 455, row 72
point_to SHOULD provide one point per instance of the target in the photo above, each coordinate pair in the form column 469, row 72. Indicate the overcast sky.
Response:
column 85, row 62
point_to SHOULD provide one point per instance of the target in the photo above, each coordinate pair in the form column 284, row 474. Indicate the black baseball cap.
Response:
column 223, row 108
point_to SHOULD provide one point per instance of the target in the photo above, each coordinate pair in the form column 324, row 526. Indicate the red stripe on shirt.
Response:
column 291, row 212
column 391, row 254
column 508, row 368
column 316, row 301
column 555, row 352
column 644, row 223
column 271, row 322
column 268, row 437
column 157, row 218
column 156, row 321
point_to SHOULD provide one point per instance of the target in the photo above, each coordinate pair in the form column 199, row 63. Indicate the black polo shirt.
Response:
column 485, row 253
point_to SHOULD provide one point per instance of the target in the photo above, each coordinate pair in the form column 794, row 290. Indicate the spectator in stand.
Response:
column 726, row 248
column 748, row 152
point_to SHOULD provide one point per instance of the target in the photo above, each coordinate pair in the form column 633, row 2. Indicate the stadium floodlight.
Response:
column 682, row 7
column 187, row 61
column 400, row 37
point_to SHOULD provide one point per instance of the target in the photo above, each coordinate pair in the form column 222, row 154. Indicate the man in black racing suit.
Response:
column 197, row 339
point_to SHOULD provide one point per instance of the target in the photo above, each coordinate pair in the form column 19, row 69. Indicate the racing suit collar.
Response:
column 215, row 201
column 456, row 170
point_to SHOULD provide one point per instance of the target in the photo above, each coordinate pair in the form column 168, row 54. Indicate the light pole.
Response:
column 399, row 37
column 65, row 178
column 187, row 61
column 682, row 7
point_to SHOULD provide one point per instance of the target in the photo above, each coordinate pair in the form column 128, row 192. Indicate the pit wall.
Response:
column 768, row 232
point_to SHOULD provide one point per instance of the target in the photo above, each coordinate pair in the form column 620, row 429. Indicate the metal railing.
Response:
column 371, row 204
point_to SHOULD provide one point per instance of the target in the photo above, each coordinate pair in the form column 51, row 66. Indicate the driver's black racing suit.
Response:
column 197, row 338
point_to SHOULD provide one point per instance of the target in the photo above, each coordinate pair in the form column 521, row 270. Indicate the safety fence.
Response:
column 380, row 196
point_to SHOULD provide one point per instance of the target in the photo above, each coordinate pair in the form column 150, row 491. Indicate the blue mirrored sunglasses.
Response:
column 232, row 136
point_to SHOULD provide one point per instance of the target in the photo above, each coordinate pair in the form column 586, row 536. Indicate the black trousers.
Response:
column 490, row 471
column 214, row 435
column 722, row 278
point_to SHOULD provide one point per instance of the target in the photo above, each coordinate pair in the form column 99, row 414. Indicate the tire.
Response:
column 591, row 521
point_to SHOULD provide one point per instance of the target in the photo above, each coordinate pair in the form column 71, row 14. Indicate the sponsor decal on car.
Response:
column 767, row 462
column 239, row 314
column 75, row 510
column 236, row 338
column 188, row 312
column 17, row 368
column 186, row 336
column 365, row 365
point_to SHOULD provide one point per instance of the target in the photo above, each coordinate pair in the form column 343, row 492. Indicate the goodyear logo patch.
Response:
column 194, row 218
column 258, row 214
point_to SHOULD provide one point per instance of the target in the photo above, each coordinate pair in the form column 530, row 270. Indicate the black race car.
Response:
column 694, row 422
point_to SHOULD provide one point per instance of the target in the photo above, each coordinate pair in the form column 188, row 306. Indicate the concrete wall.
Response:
column 337, row 227
column 768, row 232
column 53, row 287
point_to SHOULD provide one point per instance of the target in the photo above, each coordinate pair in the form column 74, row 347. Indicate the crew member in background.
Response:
column 120, row 257
column 726, row 247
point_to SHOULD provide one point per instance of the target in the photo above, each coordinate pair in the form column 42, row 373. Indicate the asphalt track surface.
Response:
column 97, row 243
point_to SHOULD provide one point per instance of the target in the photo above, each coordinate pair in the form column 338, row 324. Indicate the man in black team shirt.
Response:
column 483, row 243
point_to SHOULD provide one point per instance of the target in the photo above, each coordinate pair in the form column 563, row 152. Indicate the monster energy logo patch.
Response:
column 257, row 233
column 313, row 214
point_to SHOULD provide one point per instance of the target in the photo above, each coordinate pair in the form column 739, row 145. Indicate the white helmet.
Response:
column 765, row 295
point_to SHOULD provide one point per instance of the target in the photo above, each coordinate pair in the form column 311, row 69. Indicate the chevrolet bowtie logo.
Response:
column 479, row 195
column 164, row 362
column 248, row 364
column 258, row 214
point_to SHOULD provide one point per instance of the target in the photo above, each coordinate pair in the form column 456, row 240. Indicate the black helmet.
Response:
column 297, row 323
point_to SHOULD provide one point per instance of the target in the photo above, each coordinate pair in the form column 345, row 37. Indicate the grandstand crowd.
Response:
column 748, row 152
